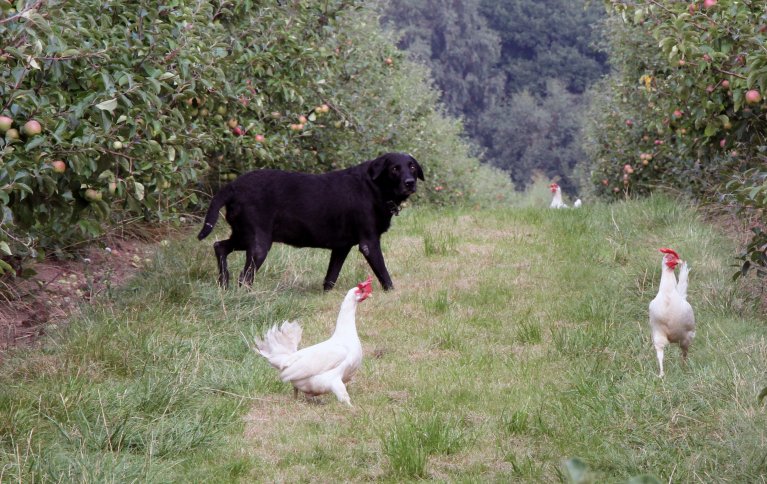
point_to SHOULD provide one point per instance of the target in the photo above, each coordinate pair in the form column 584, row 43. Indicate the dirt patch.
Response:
column 59, row 287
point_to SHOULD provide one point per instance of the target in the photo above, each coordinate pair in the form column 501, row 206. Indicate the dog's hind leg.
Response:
column 222, row 249
column 337, row 258
column 255, row 255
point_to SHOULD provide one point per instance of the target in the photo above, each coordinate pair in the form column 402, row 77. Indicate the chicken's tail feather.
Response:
column 279, row 343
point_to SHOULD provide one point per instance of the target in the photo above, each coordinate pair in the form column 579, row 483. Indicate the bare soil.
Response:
column 60, row 287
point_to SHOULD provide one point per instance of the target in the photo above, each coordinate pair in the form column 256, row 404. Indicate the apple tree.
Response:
column 685, row 107
column 117, row 111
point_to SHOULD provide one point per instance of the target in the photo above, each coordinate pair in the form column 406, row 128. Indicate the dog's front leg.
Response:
column 371, row 249
column 337, row 258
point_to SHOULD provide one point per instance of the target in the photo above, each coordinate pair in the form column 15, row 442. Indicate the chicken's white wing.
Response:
column 314, row 360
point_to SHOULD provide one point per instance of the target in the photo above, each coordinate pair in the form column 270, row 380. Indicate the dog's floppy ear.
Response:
column 377, row 167
column 418, row 167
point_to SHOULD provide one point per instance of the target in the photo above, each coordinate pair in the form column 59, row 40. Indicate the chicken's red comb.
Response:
column 669, row 251
column 366, row 287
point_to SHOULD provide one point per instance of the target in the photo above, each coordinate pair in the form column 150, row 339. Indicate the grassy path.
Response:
column 515, row 341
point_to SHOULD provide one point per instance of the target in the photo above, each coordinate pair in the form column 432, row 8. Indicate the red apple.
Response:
column 677, row 113
column 237, row 131
column 681, row 62
column 260, row 138
column 628, row 168
column 723, row 142
column 629, row 123
column 59, row 166
column 31, row 128
column 388, row 61
column 753, row 96
column 726, row 84
column 302, row 119
column 92, row 195
column 709, row 3
column 5, row 123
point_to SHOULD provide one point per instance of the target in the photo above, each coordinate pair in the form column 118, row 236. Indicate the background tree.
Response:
column 482, row 54
column 452, row 38
column 543, row 40
column 544, row 136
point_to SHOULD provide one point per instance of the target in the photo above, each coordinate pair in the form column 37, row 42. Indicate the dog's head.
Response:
column 396, row 173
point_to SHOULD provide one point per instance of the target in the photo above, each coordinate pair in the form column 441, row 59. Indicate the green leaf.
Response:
column 5, row 267
column 5, row 248
column 109, row 105
column 35, row 142
column 138, row 191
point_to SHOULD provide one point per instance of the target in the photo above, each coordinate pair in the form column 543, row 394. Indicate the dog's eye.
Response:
column 395, row 169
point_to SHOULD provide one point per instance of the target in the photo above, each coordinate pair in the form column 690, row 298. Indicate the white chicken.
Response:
column 577, row 203
column 671, row 316
column 556, row 202
column 325, row 367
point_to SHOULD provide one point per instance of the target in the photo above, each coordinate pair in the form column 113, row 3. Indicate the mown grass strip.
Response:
column 516, row 342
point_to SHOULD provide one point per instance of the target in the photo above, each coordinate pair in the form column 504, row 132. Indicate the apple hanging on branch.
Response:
column 58, row 166
column 5, row 123
column 753, row 96
column 32, row 128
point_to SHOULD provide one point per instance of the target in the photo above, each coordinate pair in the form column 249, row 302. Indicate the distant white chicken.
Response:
column 671, row 316
column 577, row 203
column 325, row 367
column 556, row 202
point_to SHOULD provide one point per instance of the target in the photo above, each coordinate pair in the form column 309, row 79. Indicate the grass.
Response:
column 515, row 348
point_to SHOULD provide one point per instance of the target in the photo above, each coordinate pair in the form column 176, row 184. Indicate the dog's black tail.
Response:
column 219, row 200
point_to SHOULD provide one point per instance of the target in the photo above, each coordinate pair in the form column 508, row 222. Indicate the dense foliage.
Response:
column 510, row 69
column 685, row 107
column 117, row 110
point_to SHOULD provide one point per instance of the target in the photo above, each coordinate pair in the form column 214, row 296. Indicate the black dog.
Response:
column 335, row 211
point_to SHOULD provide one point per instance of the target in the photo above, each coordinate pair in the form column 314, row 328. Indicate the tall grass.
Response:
column 515, row 348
